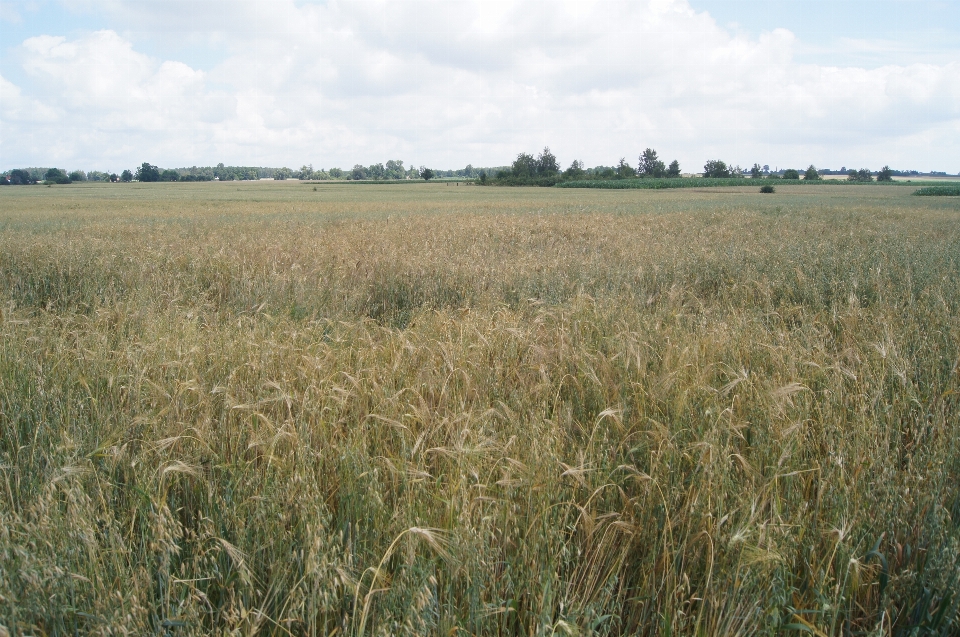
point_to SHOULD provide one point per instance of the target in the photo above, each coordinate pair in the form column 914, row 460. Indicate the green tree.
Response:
column 147, row 172
column 885, row 174
column 425, row 173
column 283, row 173
column 649, row 165
column 377, row 171
column 715, row 169
column 863, row 175
column 624, row 170
column 756, row 172
column 547, row 163
column 126, row 175
column 56, row 176
column 575, row 171
column 169, row 175
column 20, row 177
column 524, row 166
column 77, row 175
column 790, row 173
column 395, row 169
column 674, row 169
column 811, row 174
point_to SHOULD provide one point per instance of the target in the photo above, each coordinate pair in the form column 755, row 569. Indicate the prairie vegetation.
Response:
column 430, row 410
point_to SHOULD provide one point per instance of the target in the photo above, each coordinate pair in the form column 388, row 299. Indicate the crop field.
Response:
column 290, row 409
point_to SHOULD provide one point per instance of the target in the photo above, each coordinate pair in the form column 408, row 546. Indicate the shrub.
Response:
column 863, row 175
column 767, row 189
column 811, row 174
column 885, row 174
column 790, row 173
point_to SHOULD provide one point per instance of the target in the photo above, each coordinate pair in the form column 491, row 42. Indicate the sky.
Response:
column 109, row 84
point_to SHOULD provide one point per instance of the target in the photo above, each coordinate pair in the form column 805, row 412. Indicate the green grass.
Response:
column 240, row 408
column 948, row 190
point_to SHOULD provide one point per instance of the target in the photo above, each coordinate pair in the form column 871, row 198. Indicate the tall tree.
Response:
column 650, row 165
column 547, row 163
column 147, row 172
column 756, row 172
column 885, row 174
column 624, row 170
column 811, row 174
column 674, row 169
column 524, row 166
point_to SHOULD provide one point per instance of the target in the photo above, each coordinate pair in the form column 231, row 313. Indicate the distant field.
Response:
column 438, row 410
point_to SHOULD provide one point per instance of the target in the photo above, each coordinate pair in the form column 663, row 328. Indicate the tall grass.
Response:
column 487, row 412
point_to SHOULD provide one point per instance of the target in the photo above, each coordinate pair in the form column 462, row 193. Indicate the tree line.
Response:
column 527, row 169
column 544, row 170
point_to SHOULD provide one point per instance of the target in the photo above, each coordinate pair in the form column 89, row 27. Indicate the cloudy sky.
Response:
column 108, row 84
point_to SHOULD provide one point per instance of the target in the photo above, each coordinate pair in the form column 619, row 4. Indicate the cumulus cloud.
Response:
column 448, row 83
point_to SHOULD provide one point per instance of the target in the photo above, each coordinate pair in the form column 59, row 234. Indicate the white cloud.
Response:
column 447, row 83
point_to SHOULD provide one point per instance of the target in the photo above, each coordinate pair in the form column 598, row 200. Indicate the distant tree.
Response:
column 305, row 172
column 736, row 171
column 756, row 172
column 624, row 170
column 715, row 169
column 674, row 169
column 649, row 165
column 169, row 175
column 575, row 171
column 885, row 174
column 147, row 172
column 790, row 173
column 425, row 173
column 395, row 170
column 483, row 177
column 524, row 166
column 547, row 163
column 282, row 174
column 20, row 177
column 77, row 175
column 335, row 173
column 377, row 171
column 811, row 174
column 56, row 176
column 862, row 175
column 126, row 175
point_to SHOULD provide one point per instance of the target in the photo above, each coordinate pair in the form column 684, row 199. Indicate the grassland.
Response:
column 255, row 408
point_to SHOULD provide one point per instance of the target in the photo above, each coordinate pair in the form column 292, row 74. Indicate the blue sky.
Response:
column 109, row 84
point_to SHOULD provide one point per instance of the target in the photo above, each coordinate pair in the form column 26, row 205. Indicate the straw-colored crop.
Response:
column 454, row 410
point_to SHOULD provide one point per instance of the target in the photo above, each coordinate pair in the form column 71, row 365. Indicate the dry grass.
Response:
column 441, row 410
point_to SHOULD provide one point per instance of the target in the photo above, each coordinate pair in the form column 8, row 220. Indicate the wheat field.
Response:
column 288, row 409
